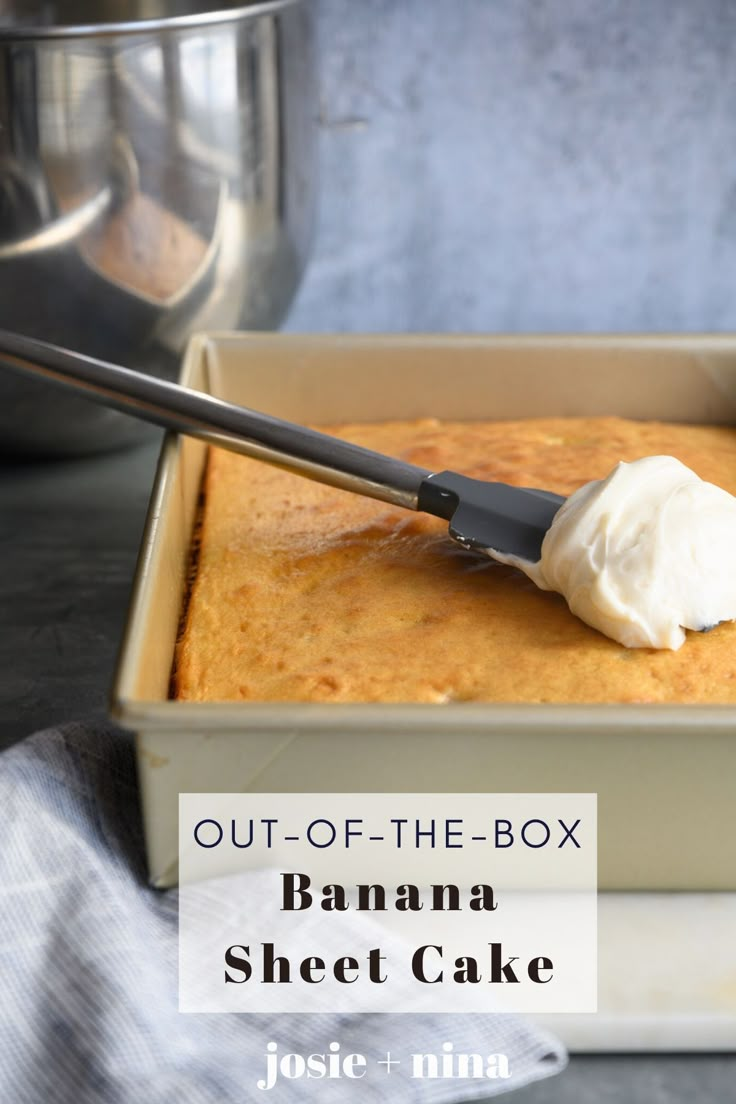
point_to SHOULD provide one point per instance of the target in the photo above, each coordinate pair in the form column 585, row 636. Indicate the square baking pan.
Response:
column 665, row 775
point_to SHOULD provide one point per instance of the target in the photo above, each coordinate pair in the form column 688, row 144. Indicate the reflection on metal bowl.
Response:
column 156, row 177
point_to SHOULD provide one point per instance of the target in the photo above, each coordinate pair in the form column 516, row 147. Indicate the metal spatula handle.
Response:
column 486, row 517
column 305, row 451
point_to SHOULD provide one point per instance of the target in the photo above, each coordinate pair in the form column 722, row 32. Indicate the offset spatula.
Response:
column 486, row 517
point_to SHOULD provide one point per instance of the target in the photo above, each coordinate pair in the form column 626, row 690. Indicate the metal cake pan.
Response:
column 665, row 774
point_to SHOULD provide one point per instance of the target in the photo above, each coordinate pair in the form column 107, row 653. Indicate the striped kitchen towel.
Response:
column 88, row 959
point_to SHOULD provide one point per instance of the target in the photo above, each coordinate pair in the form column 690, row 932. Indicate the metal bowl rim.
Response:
column 248, row 9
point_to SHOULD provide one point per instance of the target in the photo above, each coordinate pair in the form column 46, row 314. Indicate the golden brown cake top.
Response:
column 308, row 593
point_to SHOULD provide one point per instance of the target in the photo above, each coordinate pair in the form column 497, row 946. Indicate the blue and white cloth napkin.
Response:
column 88, row 965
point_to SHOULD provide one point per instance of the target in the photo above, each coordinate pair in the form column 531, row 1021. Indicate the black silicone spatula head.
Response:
column 490, row 517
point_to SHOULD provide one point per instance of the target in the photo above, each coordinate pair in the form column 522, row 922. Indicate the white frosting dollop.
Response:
column 643, row 554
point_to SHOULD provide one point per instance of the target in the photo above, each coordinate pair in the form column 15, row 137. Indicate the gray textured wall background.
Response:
column 525, row 165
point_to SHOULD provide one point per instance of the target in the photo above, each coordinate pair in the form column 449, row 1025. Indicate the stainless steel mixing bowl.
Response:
column 156, row 177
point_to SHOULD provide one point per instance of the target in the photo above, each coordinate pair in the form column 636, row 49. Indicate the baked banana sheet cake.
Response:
column 307, row 593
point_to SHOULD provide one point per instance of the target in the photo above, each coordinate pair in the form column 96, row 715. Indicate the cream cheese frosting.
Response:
column 643, row 554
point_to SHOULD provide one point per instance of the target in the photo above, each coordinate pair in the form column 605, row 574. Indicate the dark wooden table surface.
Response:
column 69, row 534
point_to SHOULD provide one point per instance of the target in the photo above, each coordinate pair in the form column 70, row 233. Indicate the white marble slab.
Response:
column 666, row 976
